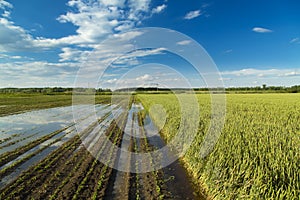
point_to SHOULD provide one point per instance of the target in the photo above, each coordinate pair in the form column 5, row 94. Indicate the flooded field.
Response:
column 43, row 156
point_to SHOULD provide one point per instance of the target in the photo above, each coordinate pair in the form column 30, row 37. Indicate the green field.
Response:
column 20, row 102
column 258, row 153
column 256, row 157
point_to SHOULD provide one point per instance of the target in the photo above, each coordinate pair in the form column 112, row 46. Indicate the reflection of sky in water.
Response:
column 59, row 117
column 32, row 125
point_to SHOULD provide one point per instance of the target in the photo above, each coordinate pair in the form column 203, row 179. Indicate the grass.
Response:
column 257, row 155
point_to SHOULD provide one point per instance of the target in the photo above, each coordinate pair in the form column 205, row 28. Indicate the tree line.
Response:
column 61, row 90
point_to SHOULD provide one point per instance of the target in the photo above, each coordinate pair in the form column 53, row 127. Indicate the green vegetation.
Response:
column 17, row 103
column 257, row 155
column 13, row 103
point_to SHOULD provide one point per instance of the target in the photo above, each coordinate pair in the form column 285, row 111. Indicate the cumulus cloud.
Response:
column 118, row 3
column 13, row 37
column 5, row 7
column 138, row 9
column 72, row 54
column 261, row 30
column 95, row 21
column 5, row 4
column 159, row 9
column 192, row 14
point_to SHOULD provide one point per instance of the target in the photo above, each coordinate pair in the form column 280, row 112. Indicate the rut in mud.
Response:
column 59, row 166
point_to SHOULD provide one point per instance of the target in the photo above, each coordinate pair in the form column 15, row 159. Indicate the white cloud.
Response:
column 131, row 59
column 141, row 5
column 5, row 4
column 261, row 30
column 95, row 21
column 37, row 73
column 295, row 40
column 111, row 81
column 193, row 14
column 125, row 26
column 225, row 79
column 138, row 10
column 184, row 42
column 118, row 3
column 146, row 52
column 127, row 36
column 72, row 54
column 291, row 73
column 10, row 57
column 262, row 72
column 159, row 9
column 13, row 37
column 5, row 7
column 145, row 77
column 257, row 77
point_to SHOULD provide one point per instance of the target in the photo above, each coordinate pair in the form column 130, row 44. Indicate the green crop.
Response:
column 258, row 153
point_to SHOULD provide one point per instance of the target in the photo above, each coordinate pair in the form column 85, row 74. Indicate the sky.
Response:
column 48, row 43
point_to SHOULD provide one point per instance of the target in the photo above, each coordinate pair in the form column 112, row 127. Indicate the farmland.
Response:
column 257, row 155
column 14, row 103
column 43, row 157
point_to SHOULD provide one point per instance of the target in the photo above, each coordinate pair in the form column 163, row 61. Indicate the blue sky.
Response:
column 45, row 43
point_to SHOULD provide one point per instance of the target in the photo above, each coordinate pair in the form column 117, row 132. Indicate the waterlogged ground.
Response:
column 43, row 155
column 21, row 129
column 48, row 128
